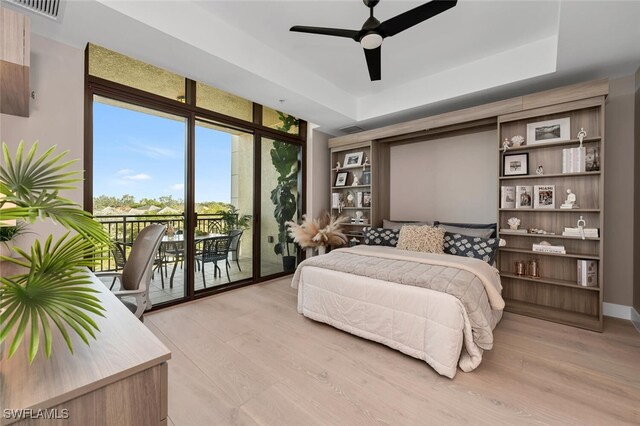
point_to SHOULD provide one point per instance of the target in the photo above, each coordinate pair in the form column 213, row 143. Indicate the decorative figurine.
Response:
column 506, row 145
column 359, row 216
column 540, row 232
column 581, row 135
column 581, row 225
column 365, row 163
column 518, row 141
column 540, row 170
column 513, row 223
column 570, row 202
column 356, row 181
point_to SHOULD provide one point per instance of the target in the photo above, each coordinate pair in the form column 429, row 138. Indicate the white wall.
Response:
column 450, row 179
column 56, row 115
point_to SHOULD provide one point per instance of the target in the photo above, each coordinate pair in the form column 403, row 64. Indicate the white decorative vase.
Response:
column 514, row 227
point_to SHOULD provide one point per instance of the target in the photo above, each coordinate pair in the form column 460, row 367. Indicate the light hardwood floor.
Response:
column 247, row 357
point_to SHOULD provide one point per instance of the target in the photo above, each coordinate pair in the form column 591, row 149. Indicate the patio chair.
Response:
column 214, row 250
column 119, row 258
column 136, row 274
column 234, row 247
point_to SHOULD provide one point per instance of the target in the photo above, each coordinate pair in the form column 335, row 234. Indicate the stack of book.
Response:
column 513, row 231
column 573, row 160
column 543, row 248
column 575, row 232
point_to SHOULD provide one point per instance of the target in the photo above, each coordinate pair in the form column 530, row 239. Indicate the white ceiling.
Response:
column 477, row 52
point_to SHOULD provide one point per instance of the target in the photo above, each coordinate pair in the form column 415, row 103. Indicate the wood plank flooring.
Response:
column 247, row 357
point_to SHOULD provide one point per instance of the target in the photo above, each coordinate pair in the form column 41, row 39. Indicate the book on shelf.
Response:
column 587, row 273
column 544, row 197
column 574, row 160
column 335, row 200
column 543, row 248
column 524, row 197
column 507, row 197
column 592, row 159
column 513, row 231
column 575, row 232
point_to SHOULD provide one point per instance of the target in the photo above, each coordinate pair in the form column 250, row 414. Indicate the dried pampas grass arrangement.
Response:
column 324, row 231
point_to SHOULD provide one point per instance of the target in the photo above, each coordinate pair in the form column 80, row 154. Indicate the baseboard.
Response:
column 617, row 311
column 635, row 319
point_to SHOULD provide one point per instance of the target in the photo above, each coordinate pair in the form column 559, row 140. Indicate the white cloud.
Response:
column 177, row 187
column 139, row 176
column 123, row 172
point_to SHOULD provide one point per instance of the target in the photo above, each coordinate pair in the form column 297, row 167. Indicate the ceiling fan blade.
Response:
column 374, row 61
column 337, row 32
column 412, row 17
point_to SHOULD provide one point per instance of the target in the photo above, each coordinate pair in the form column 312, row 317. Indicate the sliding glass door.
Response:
column 223, row 187
column 280, row 191
column 139, row 179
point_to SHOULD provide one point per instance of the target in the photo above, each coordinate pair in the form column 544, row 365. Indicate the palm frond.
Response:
column 24, row 176
column 56, row 289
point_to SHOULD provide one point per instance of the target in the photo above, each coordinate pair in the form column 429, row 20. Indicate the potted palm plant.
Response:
column 284, row 157
column 53, row 290
column 8, row 233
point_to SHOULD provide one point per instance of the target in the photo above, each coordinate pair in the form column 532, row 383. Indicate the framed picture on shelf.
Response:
column 366, row 199
column 353, row 159
column 544, row 197
column 341, row 179
column 515, row 164
column 548, row 131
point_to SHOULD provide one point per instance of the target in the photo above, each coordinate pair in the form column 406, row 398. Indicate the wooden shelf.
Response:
column 547, row 145
column 352, row 208
column 538, row 253
column 552, row 210
column 553, row 175
column 553, row 314
column 351, row 167
column 350, row 187
column 562, row 283
column 557, row 237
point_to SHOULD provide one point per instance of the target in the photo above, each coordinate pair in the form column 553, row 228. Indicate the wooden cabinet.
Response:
column 555, row 295
column 14, row 63
column 120, row 379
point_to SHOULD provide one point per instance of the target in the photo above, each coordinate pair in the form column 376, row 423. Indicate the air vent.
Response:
column 48, row 8
column 352, row 129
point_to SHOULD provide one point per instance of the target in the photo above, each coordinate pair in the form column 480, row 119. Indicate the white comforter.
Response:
column 420, row 322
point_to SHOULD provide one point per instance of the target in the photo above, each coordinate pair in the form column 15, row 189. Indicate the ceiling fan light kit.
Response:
column 373, row 32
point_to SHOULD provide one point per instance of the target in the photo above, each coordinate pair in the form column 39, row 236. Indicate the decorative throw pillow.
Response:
column 484, row 230
column 427, row 239
column 463, row 245
column 380, row 237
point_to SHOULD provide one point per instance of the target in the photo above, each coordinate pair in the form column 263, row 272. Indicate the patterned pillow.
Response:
column 480, row 248
column 427, row 239
column 380, row 237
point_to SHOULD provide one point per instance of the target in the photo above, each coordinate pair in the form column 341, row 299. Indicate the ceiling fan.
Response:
column 373, row 32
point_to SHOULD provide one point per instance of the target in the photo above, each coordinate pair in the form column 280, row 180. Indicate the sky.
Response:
column 144, row 155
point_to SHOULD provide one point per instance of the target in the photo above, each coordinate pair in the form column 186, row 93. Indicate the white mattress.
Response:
column 419, row 322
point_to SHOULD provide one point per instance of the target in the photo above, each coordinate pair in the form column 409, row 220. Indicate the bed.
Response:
column 438, row 308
